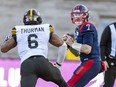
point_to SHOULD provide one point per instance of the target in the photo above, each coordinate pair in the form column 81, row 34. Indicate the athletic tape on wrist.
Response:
column 77, row 46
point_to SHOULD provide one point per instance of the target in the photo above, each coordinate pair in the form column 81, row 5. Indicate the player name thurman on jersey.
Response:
column 33, row 39
column 32, row 30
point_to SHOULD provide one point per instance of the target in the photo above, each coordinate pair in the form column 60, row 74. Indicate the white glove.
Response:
column 57, row 65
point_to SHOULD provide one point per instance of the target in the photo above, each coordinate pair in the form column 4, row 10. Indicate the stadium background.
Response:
column 55, row 12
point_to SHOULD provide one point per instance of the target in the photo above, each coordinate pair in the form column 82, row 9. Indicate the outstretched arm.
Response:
column 9, row 42
column 8, row 45
column 76, row 48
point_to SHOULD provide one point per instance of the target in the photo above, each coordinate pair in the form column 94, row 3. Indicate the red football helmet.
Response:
column 79, row 14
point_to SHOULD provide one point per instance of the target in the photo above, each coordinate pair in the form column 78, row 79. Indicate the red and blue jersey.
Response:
column 87, row 34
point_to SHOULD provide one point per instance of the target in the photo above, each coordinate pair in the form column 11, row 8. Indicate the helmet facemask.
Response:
column 79, row 15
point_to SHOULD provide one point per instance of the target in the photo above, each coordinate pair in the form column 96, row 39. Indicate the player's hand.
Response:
column 57, row 65
column 65, row 36
column 69, row 41
column 106, row 65
column 102, row 69
column 6, row 38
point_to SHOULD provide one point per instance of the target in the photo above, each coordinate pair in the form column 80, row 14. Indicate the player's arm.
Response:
column 71, row 36
column 9, row 43
column 54, row 38
column 76, row 48
column 87, row 43
column 75, row 52
column 103, row 45
column 58, row 42
column 86, row 46
column 104, row 41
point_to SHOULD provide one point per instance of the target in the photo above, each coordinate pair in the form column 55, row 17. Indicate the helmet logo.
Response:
column 31, row 13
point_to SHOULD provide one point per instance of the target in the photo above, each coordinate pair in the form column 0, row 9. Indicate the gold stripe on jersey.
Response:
column 31, row 13
column 51, row 29
column 13, row 32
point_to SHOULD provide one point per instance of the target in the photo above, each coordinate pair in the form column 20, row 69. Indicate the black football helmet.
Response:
column 79, row 14
column 32, row 17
